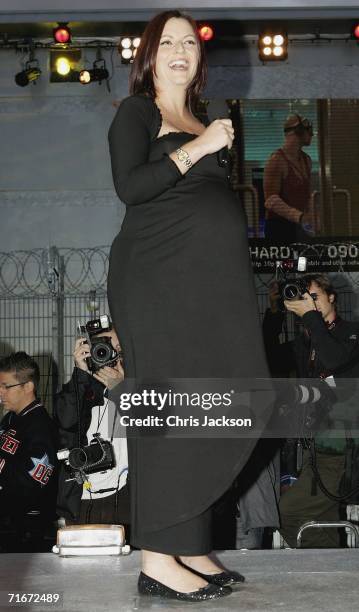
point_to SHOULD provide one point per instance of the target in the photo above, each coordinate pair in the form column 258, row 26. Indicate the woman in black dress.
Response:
column 182, row 299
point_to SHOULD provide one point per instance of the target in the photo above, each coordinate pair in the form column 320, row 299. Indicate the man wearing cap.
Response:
column 287, row 186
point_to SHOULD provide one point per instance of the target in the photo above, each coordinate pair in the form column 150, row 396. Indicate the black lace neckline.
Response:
column 160, row 121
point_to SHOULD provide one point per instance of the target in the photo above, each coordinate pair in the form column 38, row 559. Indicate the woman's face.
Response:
column 177, row 55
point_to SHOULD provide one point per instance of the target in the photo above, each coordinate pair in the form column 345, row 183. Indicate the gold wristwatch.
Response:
column 184, row 158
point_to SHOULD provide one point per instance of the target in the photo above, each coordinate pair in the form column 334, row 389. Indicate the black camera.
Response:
column 101, row 349
column 291, row 286
column 98, row 456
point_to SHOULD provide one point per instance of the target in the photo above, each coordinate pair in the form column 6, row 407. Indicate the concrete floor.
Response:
column 285, row 580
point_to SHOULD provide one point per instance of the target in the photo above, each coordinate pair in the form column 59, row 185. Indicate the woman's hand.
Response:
column 81, row 351
column 216, row 136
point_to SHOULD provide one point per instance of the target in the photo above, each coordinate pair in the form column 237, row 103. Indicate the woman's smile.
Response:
column 179, row 64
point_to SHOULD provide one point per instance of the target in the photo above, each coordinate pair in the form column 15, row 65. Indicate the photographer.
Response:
column 327, row 347
column 82, row 410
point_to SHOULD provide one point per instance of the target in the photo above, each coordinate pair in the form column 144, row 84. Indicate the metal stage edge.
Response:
column 286, row 579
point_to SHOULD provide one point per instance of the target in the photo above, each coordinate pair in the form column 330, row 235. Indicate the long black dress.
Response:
column 182, row 298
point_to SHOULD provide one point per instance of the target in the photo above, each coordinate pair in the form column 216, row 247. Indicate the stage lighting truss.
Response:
column 98, row 73
column 30, row 74
column 128, row 48
column 273, row 46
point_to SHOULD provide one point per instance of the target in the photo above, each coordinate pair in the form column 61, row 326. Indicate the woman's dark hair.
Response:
column 24, row 368
column 323, row 281
column 143, row 67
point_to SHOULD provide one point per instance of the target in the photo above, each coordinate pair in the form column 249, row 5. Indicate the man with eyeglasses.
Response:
column 28, row 443
column 287, row 186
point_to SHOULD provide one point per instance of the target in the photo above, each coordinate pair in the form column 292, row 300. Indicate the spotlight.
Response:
column 29, row 75
column 278, row 40
column 278, row 51
column 62, row 34
column 126, row 54
column 273, row 46
column 128, row 48
column 64, row 65
column 126, row 43
column 98, row 73
column 206, row 32
column 85, row 77
column 356, row 31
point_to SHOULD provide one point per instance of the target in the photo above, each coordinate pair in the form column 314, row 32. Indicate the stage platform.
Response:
column 285, row 580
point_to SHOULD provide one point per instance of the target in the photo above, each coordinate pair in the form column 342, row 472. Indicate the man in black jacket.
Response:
column 328, row 348
column 28, row 443
column 82, row 409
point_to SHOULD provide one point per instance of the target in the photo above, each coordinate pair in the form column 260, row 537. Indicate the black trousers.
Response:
column 305, row 501
column 192, row 537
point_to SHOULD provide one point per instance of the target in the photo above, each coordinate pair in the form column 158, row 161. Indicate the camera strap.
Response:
column 333, row 323
column 113, row 426
column 78, row 407
column 103, row 491
column 100, row 416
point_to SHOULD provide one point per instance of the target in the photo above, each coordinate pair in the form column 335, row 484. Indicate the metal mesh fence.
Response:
column 45, row 293
column 26, row 324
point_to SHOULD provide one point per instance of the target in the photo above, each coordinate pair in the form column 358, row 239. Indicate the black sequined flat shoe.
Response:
column 150, row 586
column 222, row 579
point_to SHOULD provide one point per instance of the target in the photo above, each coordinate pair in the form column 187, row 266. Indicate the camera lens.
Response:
column 101, row 352
column 291, row 291
column 77, row 458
